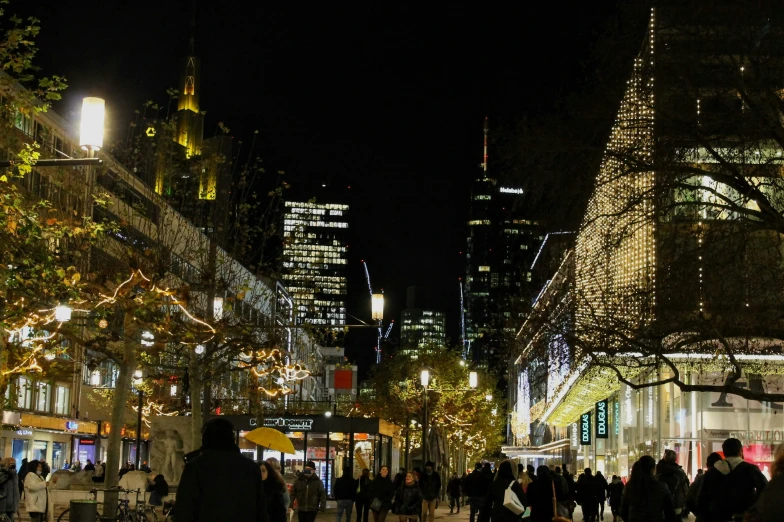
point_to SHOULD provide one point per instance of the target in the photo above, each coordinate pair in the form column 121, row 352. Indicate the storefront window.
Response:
column 340, row 441
column 317, row 452
column 20, row 449
column 363, row 453
column 294, row 463
column 43, row 397
column 86, row 450
column 39, row 449
column 59, row 451
column 61, row 400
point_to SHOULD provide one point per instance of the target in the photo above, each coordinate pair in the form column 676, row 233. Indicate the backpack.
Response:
column 736, row 492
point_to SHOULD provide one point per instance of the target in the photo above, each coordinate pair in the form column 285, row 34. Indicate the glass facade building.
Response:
column 314, row 261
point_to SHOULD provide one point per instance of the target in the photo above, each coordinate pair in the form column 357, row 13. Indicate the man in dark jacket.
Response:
column 219, row 483
column 363, row 499
column 309, row 493
column 453, row 490
column 430, row 484
column 672, row 475
column 586, row 495
column 731, row 487
column 345, row 492
column 476, row 485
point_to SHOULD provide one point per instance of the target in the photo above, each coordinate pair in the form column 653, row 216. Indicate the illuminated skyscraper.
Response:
column 315, row 261
column 421, row 326
column 501, row 245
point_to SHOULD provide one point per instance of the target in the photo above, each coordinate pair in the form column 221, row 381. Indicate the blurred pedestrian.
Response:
column 408, row 499
column 36, row 493
column 645, row 499
column 274, row 492
column 9, row 488
column 494, row 508
column 382, row 493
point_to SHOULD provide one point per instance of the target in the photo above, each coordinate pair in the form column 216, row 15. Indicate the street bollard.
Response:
column 83, row 511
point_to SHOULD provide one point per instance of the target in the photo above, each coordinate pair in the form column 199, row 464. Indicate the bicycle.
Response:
column 124, row 511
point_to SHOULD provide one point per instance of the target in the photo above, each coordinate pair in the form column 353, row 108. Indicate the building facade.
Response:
column 668, row 284
column 420, row 325
column 315, row 261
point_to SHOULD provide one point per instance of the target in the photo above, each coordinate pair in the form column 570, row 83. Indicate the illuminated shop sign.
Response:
column 289, row 424
column 617, row 417
column 601, row 420
column 509, row 190
column 71, row 426
column 24, row 433
column 574, row 443
column 585, row 429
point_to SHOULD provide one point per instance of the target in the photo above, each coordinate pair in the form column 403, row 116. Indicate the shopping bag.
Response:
column 511, row 500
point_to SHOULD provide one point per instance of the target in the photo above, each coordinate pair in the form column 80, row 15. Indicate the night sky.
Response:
column 388, row 99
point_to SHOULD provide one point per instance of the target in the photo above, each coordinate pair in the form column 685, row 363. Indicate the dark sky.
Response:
column 386, row 97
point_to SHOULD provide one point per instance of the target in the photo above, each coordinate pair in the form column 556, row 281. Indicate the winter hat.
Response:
column 310, row 464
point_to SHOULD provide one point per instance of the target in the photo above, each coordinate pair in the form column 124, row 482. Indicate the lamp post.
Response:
column 377, row 313
column 137, row 380
column 425, row 379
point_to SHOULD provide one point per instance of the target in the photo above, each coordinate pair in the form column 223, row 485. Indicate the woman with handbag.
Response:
column 408, row 500
column 382, row 492
column 499, row 506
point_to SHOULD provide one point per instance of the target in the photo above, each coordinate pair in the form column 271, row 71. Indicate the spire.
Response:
column 484, row 162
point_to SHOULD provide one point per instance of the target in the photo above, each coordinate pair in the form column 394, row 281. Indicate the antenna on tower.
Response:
column 192, row 40
column 484, row 162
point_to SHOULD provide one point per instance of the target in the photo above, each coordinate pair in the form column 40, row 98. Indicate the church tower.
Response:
column 190, row 120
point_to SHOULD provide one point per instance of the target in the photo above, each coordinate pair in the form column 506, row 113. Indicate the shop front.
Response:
column 332, row 443
column 649, row 420
column 39, row 437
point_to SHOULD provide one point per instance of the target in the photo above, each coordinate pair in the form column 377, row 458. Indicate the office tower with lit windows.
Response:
column 420, row 325
column 501, row 245
column 315, row 261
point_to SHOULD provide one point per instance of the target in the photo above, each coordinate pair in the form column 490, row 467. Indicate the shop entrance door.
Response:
column 324, row 471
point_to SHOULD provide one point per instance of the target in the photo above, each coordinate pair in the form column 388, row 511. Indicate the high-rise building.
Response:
column 420, row 325
column 501, row 245
column 315, row 261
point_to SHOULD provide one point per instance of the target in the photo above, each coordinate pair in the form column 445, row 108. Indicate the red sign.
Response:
column 344, row 379
column 86, row 442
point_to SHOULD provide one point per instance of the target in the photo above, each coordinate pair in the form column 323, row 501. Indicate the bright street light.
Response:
column 473, row 380
column 425, row 378
column 199, row 349
column 91, row 126
column 489, row 397
column 63, row 313
column 377, row 307
column 137, row 376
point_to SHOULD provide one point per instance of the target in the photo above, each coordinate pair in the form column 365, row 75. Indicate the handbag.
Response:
column 512, row 501
column 556, row 515
column 375, row 505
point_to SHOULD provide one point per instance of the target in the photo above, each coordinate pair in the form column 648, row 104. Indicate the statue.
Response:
column 171, row 444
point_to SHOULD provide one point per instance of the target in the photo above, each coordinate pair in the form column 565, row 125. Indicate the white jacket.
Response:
column 35, row 493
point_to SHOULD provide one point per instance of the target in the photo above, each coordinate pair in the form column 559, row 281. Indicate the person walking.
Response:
column 275, row 464
column 732, row 487
column 408, row 499
column 363, row 496
column 453, row 490
column 540, row 496
column 645, row 499
column 615, row 494
column 274, row 492
column 382, row 493
column 219, row 483
column 523, row 478
column 36, row 493
column 430, row 485
column 309, row 494
column 600, row 488
column 476, row 490
column 670, row 473
column 493, row 508
column 24, row 468
column 9, row 488
column 586, row 495
column 345, row 492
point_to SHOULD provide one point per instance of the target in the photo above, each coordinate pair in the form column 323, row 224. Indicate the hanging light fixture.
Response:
column 63, row 313
column 199, row 349
column 91, row 126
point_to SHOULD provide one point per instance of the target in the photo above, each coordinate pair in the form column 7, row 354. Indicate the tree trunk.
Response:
column 119, row 408
column 194, row 371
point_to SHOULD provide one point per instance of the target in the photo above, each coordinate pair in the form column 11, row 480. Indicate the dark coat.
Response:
column 673, row 476
column 494, row 502
column 540, row 497
column 656, row 504
column 274, row 494
column 453, row 487
column 476, row 484
column 9, row 490
column 616, row 493
column 309, row 493
column 770, row 506
column 408, row 500
column 221, row 485
column 430, row 485
column 586, row 491
column 383, row 489
column 364, row 484
column 345, row 488
column 159, row 486
column 600, row 487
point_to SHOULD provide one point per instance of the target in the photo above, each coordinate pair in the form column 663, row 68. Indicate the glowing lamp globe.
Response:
column 473, row 380
column 377, row 307
column 63, row 313
column 91, row 126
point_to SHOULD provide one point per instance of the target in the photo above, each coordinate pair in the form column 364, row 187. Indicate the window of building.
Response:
column 43, row 398
column 62, row 397
column 24, row 393
column 484, row 268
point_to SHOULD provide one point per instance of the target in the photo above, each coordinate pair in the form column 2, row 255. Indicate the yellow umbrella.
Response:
column 272, row 439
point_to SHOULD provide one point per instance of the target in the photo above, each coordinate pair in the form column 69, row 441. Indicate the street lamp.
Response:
column 137, row 380
column 62, row 313
column 473, row 380
column 489, row 397
column 91, row 126
column 377, row 307
column 424, row 378
column 199, row 349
